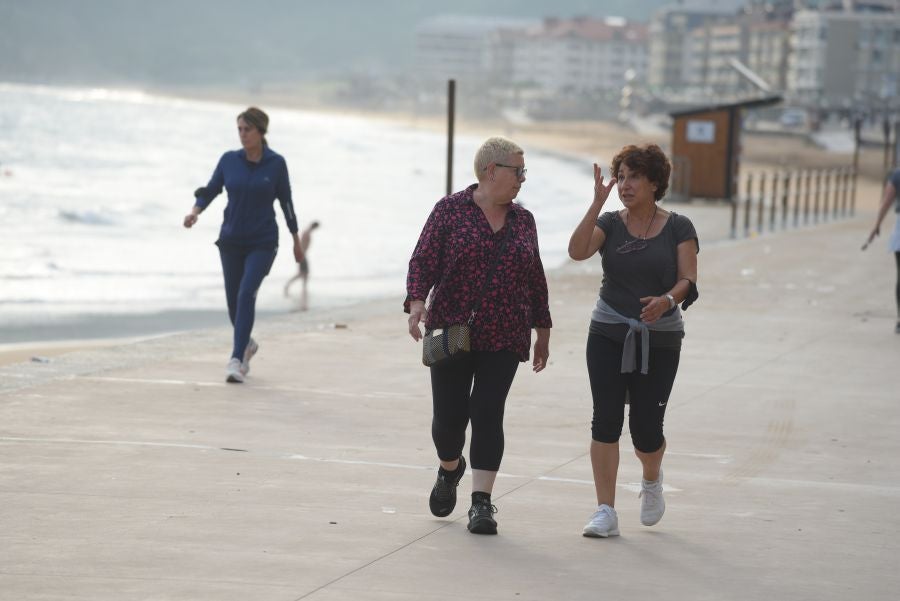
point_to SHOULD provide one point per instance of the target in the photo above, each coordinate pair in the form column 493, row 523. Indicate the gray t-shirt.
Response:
column 652, row 271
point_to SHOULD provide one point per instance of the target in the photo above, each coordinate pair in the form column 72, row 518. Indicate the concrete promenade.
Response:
column 136, row 473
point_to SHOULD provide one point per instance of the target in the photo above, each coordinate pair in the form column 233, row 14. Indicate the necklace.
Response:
column 649, row 225
column 636, row 243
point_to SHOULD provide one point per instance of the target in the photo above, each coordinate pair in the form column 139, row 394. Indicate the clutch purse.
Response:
column 442, row 345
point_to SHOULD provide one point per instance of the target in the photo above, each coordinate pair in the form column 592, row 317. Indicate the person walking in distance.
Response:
column 254, row 177
column 890, row 196
column 303, row 265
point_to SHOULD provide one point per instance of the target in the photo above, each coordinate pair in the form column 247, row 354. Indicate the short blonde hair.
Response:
column 493, row 150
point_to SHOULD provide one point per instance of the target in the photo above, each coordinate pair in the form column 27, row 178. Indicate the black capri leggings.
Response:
column 472, row 388
column 648, row 394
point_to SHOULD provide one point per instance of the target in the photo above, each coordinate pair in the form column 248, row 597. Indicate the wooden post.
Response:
column 451, row 116
column 798, row 190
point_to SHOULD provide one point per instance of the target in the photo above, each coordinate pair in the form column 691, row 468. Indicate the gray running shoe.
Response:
column 233, row 372
column 653, row 506
column 604, row 523
column 251, row 349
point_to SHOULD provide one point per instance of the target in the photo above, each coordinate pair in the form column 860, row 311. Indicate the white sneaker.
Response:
column 653, row 506
column 251, row 349
column 603, row 523
column 233, row 372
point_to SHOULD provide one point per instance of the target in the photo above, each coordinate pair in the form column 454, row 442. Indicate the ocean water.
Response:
column 94, row 185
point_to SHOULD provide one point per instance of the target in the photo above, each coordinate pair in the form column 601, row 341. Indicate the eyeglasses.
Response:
column 520, row 171
column 632, row 246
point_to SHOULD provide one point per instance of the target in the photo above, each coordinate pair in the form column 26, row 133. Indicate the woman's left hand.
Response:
column 541, row 349
column 654, row 307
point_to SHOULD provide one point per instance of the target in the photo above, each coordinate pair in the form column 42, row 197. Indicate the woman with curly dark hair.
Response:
column 634, row 342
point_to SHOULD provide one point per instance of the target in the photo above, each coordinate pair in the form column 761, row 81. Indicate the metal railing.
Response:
column 786, row 198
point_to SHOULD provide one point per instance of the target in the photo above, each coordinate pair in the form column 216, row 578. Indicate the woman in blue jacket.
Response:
column 253, row 177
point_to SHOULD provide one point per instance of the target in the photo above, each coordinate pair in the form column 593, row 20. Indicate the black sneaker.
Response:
column 443, row 496
column 481, row 518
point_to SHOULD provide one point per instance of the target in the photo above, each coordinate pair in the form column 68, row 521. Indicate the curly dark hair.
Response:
column 648, row 160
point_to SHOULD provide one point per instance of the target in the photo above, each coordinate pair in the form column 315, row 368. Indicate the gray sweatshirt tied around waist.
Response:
column 603, row 313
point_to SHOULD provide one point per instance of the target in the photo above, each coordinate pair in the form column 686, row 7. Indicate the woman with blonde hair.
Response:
column 477, row 257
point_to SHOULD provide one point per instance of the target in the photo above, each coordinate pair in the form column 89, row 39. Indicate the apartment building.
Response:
column 843, row 59
column 673, row 50
column 552, row 55
column 580, row 54
column 768, row 48
column 459, row 47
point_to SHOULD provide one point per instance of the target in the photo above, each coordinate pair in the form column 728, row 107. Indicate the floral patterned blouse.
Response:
column 453, row 255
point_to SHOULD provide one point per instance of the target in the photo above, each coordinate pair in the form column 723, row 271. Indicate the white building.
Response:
column 768, row 48
column 672, row 59
column 842, row 59
column 581, row 54
column 457, row 47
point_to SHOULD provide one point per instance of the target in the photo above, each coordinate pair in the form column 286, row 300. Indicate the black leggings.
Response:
column 648, row 394
column 457, row 401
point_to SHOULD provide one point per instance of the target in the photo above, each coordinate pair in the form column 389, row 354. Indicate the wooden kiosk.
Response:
column 706, row 149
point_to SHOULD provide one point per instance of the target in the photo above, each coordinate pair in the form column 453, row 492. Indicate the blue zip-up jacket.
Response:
column 252, row 189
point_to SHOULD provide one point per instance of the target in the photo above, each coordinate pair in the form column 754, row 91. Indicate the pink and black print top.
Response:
column 451, row 259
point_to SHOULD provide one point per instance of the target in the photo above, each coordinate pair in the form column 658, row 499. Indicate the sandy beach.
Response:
column 582, row 140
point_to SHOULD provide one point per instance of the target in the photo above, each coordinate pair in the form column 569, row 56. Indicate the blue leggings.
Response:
column 244, row 269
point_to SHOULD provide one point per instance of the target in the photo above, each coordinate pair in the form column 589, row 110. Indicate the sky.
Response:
column 211, row 42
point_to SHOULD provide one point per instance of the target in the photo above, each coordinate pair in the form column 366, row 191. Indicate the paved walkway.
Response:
column 136, row 473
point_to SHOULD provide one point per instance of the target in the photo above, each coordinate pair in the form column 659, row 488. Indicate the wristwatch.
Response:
column 671, row 298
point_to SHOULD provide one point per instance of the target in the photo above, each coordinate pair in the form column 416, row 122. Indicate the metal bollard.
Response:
column 785, row 198
column 747, row 202
column 761, row 201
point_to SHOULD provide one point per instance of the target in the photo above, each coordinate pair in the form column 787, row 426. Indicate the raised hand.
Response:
column 601, row 190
